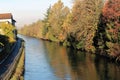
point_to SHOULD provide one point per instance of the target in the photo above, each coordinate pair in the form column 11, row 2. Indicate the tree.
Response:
column 93, row 11
column 109, row 29
column 66, row 28
column 46, row 23
column 84, row 23
column 7, row 36
column 7, row 30
column 57, row 14
column 111, row 17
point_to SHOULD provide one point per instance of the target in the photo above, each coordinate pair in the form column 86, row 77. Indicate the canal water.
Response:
column 50, row 61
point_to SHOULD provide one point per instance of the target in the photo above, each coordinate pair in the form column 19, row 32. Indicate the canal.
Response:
column 50, row 61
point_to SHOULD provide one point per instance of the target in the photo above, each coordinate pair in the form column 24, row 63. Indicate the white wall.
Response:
column 4, row 20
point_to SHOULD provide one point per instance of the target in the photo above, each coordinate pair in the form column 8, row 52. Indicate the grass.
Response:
column 18, row 74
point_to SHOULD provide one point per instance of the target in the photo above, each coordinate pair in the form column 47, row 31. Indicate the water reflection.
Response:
column 107, row 70
column 49, row 61
column 58, row 60
column 69, row 64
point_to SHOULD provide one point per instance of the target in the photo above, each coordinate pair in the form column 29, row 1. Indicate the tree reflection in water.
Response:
column 68, row 64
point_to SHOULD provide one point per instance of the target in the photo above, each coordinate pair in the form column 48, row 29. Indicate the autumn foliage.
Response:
column 91, row 25
column 108, row 35
column 111, row 11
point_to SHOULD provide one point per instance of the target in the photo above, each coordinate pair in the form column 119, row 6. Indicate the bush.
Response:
column 8, row 31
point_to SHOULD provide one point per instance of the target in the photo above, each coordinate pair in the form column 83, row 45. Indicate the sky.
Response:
column 28, row 11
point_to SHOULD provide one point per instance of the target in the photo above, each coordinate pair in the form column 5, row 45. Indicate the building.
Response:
column 7, row 17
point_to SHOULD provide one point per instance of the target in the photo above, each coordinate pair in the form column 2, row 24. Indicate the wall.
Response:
column 4, row 20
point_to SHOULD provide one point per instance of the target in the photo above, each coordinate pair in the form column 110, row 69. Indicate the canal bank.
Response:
column 8, row 66
column 19, row 70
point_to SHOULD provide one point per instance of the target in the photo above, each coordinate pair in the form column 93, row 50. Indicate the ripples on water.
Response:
column 49, row 61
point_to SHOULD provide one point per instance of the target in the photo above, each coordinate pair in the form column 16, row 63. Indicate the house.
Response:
column 7, row 17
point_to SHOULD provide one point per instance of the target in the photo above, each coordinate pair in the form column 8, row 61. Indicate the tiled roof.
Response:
column 6, row 16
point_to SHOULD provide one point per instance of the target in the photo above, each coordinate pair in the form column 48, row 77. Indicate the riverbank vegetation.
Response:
column 7, row 38
column 91, row 25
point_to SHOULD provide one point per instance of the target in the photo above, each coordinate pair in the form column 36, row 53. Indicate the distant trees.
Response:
column 91, row 25
column 34, row 29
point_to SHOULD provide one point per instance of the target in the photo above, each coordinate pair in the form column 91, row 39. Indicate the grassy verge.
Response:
column 18, row 74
